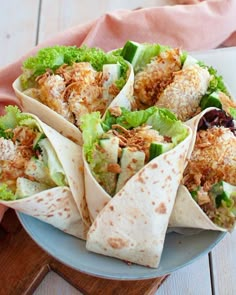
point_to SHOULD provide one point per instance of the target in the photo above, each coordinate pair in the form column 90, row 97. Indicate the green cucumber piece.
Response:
column 49, row 156
column 157, row 148
column 111, row 148
column 139, row 55
column 222, row 191
column 132, row 52
column 189, row 61
column 110, row 153
column 211, row 100
column 130, row 162
column 26, row 187
column 38, row 137
column 38, row 170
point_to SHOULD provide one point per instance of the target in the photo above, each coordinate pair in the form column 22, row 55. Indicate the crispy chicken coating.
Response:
column 74, row 90
column 153, row 79
column 15, row 154
column 183, row 95
column 52, row 88
column 213, row 159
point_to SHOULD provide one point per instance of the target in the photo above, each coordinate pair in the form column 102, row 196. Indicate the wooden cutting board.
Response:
column 23, row 265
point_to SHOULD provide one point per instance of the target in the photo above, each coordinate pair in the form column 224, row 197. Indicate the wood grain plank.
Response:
column 193, row 279
column 224, row 266
column 23, row 265
column 54, row 284
column 58, row 15
column 18, row 28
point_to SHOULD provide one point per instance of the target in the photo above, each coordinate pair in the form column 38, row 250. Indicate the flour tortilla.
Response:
column 56, row 121
column 187, row 213
column 132, row 225
column 62, row 207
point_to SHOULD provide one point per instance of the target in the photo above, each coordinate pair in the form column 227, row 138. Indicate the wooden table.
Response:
column 25, row 23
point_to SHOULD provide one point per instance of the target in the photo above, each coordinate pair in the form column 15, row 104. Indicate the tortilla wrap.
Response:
column 56, row 121
column 62, row 207
column 143, row 206
column 186, row 212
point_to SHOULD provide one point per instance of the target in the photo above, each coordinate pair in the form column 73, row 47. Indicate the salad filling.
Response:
column 117, row 147
column 28, row 162
column 171, row 78
column 74, row 81
column 210, row 175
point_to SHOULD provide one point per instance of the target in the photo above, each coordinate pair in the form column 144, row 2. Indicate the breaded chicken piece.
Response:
column 183, row 95
column 85, row 98
column 154, row 78
column 7, row 150
column 52, row 88
column 213, row 159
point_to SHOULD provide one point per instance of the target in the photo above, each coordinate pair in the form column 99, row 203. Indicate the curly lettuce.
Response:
column 216, row 82
column 160, row 119
column 53, row 57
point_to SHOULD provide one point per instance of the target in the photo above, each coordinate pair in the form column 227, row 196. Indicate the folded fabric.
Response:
column 180, row 25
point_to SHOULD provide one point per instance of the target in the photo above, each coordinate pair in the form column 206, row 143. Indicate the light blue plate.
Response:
column 179, row 250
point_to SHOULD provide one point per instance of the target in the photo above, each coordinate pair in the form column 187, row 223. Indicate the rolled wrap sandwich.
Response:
column 61, row 83
column 41, row 173
column 133, row 166
column 171, row 78
column 207, row 197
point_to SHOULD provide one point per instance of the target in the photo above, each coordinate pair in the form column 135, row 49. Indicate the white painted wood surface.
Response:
column 18, row 28
column 19, row 20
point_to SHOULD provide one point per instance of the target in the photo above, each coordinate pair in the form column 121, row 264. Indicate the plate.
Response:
column 179, row 250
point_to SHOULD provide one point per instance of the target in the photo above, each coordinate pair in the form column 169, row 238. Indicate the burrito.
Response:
column 171, row 78
column 133, row 166
column 61, row 83
column 41, row 173
column 207, row 196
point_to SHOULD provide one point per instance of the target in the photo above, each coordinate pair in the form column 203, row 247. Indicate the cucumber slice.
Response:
column 222, row 191
column 132, row 51
column 56, row 171
column 139, row 55
column 111, row 147
column 211, row 100
column 189, row 61
column 38, row 170
column 38, row 137
column 130, row 162
column 26, row 187
column 157, row 148
column 107, row 178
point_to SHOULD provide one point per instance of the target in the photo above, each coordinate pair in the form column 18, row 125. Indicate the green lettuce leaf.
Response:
column 216, row 82
column 159, row 118
column 6, row 194
column 92, row 130
column 128, row 119
column 232, row 112
column 50, row 158
column 167, row 124
column 12, row 118
column 55, row 56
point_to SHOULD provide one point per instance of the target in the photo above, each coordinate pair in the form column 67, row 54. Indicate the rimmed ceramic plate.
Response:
column 179, row 250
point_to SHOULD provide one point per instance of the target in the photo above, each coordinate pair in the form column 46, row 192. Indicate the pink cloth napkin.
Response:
column 205, row 25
